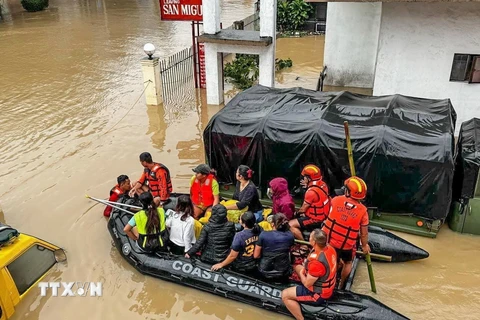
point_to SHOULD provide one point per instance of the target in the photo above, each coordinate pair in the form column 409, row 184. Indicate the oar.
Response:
column 115, row 203
column 377, row 256
column 103, row 202
column 352, row 171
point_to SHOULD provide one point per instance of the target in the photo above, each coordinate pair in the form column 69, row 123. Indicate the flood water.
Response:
column 68, row 75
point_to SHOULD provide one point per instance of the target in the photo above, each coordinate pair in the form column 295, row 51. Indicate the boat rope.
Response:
column 136, row 101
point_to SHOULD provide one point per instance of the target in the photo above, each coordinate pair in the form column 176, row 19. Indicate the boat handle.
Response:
column 176, row 277
column 269, row 305
column 221, row 291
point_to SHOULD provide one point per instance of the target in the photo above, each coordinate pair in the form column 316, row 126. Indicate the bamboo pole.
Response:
column 352, row 171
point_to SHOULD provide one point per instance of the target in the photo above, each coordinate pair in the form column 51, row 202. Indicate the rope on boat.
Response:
column 148, row 83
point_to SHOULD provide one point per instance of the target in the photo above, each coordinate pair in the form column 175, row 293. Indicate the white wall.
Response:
column 351, row 43
column 416, row 48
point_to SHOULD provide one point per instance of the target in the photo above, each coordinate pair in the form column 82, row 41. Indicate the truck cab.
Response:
column 24, row 261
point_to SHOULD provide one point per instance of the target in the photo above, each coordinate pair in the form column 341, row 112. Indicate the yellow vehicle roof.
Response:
column 24, row 241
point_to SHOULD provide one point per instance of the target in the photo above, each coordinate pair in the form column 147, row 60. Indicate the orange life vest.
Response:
column 202, row 194
column 343, row 223
column 319, row 209
column 116, row 190
column 155, row 184
column 325, row 285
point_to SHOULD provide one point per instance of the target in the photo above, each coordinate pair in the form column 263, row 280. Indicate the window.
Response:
column 466, row 68
column 30, row 266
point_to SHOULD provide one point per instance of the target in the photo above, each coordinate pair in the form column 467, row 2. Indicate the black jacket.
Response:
column 216, row 237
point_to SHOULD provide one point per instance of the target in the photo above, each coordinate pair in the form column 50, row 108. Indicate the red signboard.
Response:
column 181, row 10
column 201, row 60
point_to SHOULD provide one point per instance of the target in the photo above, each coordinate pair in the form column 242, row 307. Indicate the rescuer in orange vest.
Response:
column 155, row 178
column 318, row 275
column 123, row 186
column 316, row 203
column 204, row 190
column 347, row 219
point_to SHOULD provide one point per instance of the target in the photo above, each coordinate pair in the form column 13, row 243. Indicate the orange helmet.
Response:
column 357, row 187
column 312, row 171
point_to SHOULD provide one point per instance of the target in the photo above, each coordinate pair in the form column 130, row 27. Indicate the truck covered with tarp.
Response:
column 403, row 146
column 467, row 160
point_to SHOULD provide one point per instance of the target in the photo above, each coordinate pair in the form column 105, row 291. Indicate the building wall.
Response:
column 416, row 47
column 351, row 43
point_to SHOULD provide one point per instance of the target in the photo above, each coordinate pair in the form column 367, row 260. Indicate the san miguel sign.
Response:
column 181, row 10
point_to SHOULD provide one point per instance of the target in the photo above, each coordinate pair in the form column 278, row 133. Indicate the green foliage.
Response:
column 292, row 14
column 244, row 70
column 34, row 5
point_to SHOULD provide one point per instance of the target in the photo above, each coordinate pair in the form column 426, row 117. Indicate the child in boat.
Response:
column 181, row 226
column 273, row 249
column 243, row 245
column 216, row 237
column 281, row 198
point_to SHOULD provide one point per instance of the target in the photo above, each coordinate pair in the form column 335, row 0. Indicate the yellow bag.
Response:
column 233, row 215
column 265, row 225
column 206, row 217
column 266, row 213
column 197, row 227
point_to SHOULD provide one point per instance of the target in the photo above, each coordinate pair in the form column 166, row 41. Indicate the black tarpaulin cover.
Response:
column 467, row 159
column 403, row 146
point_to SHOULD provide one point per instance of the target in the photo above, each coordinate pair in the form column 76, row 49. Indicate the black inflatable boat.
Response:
column 380, row 240
column 238, row 287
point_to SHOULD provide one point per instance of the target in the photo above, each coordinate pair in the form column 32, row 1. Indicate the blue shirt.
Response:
column 244, row 243
column 276, row 241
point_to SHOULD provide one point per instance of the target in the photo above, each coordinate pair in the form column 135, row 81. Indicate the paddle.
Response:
column 375, row 255
column 352, row 171
column 105, row 203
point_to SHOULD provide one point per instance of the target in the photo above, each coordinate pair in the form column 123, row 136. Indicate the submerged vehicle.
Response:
column 238, row 287
column 24, row 261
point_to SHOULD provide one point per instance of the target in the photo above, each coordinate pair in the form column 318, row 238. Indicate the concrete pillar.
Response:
column 268, row 28
column 211, row 16
column 151, row 72
column 213, row 73
column 351, row 43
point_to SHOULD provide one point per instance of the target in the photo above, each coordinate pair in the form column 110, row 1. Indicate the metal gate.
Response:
column 176, row 73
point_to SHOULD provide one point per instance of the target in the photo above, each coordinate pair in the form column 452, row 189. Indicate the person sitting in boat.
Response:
column 216, row 237
column 282, row 201
column 273, row 249
column 123, row 186
column 180, row 223
column 347, row 218
column 155, row 178
column 316, row 203
column 150, row 223
column 204, row 190
column 246, row 193
column 243, row 245
column 317, row 274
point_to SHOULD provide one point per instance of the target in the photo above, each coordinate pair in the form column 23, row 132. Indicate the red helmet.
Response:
column 312, row 171
column 356, row 187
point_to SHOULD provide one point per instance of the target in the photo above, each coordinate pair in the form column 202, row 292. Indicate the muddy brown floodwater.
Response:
column 68, row 75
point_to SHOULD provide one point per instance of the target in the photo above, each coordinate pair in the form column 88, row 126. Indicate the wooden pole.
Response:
column 352, row 171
